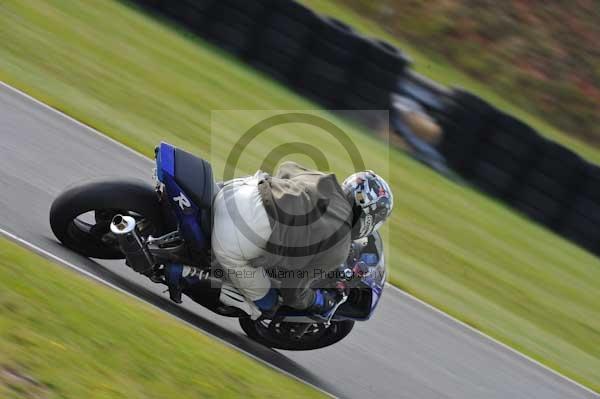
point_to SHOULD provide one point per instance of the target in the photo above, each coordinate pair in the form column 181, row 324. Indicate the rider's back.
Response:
column 310, row 218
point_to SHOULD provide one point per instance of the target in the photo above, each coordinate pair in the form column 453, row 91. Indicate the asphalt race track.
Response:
column 408, row 350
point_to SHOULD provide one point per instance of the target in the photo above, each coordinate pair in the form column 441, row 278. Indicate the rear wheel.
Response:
column 80, row 217
column 286, row 336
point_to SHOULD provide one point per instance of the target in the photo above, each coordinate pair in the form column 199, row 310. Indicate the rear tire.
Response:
column 106, row 198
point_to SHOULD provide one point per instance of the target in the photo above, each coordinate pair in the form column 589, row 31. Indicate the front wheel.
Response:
column 284, row 335
column 80, row 217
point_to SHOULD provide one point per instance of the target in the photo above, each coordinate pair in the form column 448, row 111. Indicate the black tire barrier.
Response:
column 539, row 207
column 283, row 44
column 355, row 101
column 327, row 70
column 591, row 187
column 287, row 43
column 558, row 171
column 515, row 137
column 378, row 96
column 492, row 179
column 551, row 185
column 375, row 69
column 334, row 40
column 192, row 13
column 466, row 122
column 500, row 158
column 589, row 208
column 378, row 75
column 294, row 10
column 235, row 39
column 290, row 26
column 509, row 160
column 280, row 65
column 150, row 4
column 497, row 178
column 582, row 223
column 531, row 212
column 469, row 112
column 385, row 54
column 557, row 175
column 235, row 25
column 512, row 149
column 322, row 81
column 583, row 231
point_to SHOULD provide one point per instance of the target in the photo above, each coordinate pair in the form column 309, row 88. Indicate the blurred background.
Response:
column 482, row 115
column 542, row 56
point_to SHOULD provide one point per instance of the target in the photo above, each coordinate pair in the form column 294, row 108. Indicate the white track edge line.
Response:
column 406, row 294
column 57, row 259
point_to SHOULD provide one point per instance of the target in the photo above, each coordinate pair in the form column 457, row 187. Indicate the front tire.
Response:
column 279, row 336
column 105, row 198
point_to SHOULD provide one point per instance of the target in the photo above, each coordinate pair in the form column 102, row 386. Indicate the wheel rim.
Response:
column 284, row 331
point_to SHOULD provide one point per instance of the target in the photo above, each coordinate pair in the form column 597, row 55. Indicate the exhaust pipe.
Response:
column 137, row 255
column 122, row 224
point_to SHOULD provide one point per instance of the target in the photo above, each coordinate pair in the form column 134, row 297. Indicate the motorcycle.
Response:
column 154, row 228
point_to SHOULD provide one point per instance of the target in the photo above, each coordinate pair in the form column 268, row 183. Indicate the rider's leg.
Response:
column 269, row 301
column 317, row 300
column 241, row 230
column 299, row 293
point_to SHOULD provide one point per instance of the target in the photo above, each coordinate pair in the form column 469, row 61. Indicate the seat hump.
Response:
column 194, row 175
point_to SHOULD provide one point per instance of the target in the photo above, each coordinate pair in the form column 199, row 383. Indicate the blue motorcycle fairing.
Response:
column 374, row 280
column 376, row 277
column 188, row 214
column 376, row 283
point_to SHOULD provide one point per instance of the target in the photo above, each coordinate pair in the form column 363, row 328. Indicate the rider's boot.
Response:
column 232, row 297
column 269, row 304
column 174, row 277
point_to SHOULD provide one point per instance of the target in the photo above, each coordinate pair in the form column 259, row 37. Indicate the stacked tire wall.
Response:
column 329, row 62
column 509, row 160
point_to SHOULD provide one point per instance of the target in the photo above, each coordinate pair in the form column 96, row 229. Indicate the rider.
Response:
column 300, row 222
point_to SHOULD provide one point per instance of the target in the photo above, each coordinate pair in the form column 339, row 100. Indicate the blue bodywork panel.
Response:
column 188, row 214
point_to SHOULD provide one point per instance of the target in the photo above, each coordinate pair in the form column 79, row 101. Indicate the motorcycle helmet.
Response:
column 372, row 201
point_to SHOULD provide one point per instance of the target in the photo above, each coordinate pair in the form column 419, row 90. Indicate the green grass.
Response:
column 438, row 69
column 63, row 336
column 140, row 81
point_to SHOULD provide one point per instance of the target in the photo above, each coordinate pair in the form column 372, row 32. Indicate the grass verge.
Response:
column 63, row 336
column 141, row 81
